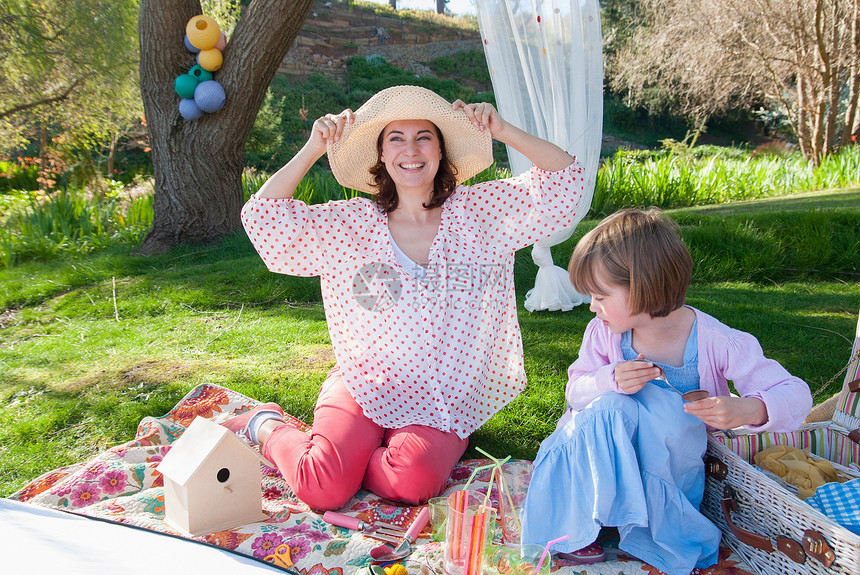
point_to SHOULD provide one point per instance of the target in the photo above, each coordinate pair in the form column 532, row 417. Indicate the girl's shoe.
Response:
column 587, row 555
column 239, row 423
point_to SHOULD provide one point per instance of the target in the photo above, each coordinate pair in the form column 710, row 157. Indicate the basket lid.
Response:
column 847, row 412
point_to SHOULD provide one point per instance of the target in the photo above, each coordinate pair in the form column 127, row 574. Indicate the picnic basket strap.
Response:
column 789, row 547
column 816, row 547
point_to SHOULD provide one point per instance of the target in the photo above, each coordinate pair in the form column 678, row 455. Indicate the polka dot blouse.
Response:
column 445, row 350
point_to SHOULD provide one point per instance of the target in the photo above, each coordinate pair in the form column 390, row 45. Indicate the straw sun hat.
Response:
column 468, row 149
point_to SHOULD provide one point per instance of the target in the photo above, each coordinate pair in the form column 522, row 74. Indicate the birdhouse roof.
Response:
column 200, row 440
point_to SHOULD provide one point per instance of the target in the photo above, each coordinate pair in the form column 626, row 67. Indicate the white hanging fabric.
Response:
column 546, row 64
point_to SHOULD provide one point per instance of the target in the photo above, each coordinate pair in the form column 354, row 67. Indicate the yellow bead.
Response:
column 203, row 32
column 210, row 59
column 396, row 569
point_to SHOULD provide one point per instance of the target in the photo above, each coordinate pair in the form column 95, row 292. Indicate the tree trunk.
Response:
column 393, row 4
column 830, row 59
column 854, row 78
column 42, row 178
column 440, row 6
column 111, row 159
column 198, row 164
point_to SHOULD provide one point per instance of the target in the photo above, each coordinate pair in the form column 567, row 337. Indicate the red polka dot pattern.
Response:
column 448, row 352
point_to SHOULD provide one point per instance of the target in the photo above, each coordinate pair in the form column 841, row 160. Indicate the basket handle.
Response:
column 854, row 387
column 789, row 547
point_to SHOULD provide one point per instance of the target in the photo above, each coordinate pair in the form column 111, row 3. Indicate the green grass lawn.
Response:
column 91, row 346
column 847, row 198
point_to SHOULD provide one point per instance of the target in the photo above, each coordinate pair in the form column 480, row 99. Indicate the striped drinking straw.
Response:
column 478, row 525
column 457, row 503
column 508, row 514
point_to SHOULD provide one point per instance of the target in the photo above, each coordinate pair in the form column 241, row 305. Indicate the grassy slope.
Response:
column 88, row 348
column 805, row 201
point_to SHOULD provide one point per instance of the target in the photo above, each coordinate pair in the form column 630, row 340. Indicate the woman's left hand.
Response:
column 725, row 412
column 543, row 154
column 483, row 115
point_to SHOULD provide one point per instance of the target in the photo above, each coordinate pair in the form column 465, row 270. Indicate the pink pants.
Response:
column 346, row 451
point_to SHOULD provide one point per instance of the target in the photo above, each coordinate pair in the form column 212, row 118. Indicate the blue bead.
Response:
column 189, row 110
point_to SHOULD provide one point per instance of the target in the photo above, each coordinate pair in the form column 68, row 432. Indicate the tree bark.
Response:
column 804, row 138
column 42, row 178
column 854, row 81
column 831, row 81
column 114, row 141
column 198, row 164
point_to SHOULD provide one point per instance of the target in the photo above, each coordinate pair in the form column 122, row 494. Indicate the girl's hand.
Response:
column 725, row 412
column 632, row 375
column 328, row 129
column 483, row 116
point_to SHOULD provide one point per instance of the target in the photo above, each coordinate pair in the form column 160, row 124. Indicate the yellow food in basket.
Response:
column 797, row 467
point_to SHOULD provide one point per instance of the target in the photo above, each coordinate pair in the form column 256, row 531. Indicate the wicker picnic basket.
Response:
column 764, row 520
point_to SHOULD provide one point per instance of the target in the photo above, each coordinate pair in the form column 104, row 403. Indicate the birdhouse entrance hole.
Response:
column 223, row 474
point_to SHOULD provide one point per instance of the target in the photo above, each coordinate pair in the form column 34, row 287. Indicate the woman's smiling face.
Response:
column 411, row 152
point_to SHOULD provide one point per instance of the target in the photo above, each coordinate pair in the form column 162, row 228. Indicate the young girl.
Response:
column 628, row 452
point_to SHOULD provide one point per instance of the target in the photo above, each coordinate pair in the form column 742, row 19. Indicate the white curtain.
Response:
column 546, row 64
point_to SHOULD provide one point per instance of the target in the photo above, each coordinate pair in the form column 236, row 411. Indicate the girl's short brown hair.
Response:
column 641, row 251
column 444, row 183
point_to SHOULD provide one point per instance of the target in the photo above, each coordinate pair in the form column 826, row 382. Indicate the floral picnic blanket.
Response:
column 123, row 485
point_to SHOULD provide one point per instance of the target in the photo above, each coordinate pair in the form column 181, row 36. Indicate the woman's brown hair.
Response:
column 444, row 183
column 641, row 251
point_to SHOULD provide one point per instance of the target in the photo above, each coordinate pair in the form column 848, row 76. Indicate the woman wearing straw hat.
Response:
column 417, row 288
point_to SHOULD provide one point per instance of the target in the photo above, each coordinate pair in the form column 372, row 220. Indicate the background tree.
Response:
column 225, row 12
column 798, row 58
column 618, row 21
column 67, row 74
column 198, row 165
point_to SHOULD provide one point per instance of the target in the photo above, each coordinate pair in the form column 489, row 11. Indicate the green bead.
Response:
column 185, row 86
column 200, row 73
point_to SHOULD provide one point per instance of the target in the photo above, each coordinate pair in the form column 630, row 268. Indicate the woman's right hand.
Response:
column 328, row 128
column 285, row 181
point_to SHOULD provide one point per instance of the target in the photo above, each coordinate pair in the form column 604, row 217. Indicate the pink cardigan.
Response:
column 724, row 354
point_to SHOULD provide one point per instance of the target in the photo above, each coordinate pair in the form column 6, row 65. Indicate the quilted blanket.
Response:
column 123, row 485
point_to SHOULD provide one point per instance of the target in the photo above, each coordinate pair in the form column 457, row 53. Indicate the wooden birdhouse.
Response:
column 211, row 481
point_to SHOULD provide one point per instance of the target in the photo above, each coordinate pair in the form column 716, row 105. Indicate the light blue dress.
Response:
column 633, row 462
